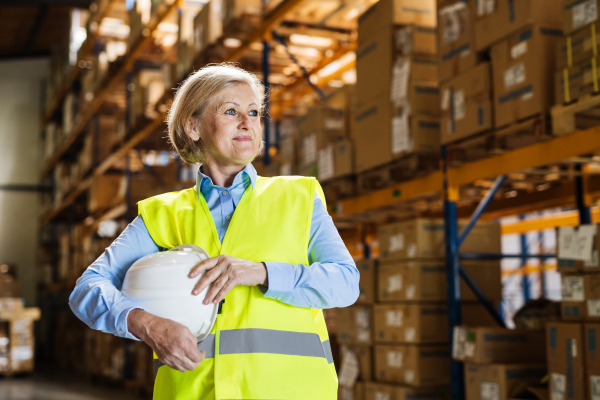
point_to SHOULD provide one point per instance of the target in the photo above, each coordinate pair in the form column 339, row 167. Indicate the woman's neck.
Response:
column 221, row 175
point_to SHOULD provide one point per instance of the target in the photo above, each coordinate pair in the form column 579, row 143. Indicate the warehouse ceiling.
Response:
column 29, row 28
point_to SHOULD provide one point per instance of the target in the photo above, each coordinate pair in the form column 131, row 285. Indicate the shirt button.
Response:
column 224, row 192
column 91, row 322
column 228, row 218
column 278, row 298
column 121, row 331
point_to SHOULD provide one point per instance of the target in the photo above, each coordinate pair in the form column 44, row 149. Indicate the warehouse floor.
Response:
column 52, row 386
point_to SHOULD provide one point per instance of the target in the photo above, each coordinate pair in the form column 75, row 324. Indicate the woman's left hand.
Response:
column 227, row 272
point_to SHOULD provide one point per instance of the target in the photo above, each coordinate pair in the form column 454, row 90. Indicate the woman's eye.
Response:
column 231, row 111
column 254, row 113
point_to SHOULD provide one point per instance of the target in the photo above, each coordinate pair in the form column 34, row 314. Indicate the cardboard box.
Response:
column 523, row 75
column 412, row 365
column 372, row 135
column 355, row 324
column 566, row 365
column 386, row 13
column 411, row 323
column 577, row 248
column 414, row 39
column 208, row 25
column 577, row 47
column 368, row 281
column 354, row 393
column 481, row 345
column 506, row 17
column 319, row 127
column 105, row 191
column 412, row 134
column 9, row 287
column 578, row 13
column 364, row 355
column 457, row 38
column 577, row 81
column 381, row 391
column 234, row 9
column 335, row 160
column 580, row 297
column 475, row 314
column 466, row 103
column 500, row 381
column 592, row 358
column 425, row 280
column 424, row 238
column 414, row 83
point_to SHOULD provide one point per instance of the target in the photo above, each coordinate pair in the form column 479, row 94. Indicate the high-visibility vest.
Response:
column 259, row 348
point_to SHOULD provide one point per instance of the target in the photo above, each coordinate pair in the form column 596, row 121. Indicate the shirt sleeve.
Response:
column 97, row 298
column 331, row 279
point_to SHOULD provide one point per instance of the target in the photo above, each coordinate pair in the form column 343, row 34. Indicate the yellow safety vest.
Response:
column 259, row 348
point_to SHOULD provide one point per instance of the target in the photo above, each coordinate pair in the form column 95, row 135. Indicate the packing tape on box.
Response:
column 566, row 85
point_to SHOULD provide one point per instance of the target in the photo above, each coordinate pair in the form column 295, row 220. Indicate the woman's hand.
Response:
column 172, row 342
column 227, row 272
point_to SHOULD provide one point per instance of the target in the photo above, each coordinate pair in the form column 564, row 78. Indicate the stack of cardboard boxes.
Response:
column 577, row 52
column 397, row 83
column 500, row 363
column 16, row 327
column 398, row 331
column 485, row 98
column 573, row 359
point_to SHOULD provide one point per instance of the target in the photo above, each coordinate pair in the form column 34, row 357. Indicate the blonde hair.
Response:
column 192, row 99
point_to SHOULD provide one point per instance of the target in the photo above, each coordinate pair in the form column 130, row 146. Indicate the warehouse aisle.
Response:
column 46, row 386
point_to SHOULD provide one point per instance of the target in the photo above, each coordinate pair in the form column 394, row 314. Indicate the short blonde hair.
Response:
column 192, row 99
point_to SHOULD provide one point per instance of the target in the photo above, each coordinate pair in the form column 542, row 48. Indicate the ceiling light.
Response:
column 313, row 41
column 232, row 43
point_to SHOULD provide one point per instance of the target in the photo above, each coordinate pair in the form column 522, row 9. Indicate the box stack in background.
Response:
column 395, row 339
column 17, row 341
column 577, row 52
column 498, row 72
column 573, row 364
column 397, row 83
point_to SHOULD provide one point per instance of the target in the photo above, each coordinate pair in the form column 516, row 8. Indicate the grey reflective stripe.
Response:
column 327, row 349
column 243, row 341
column 208, row 345
column 238, row 341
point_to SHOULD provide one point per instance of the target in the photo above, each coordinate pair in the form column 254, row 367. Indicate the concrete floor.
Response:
column 52, row 386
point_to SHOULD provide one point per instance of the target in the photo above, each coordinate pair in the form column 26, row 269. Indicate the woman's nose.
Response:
column 245, row 122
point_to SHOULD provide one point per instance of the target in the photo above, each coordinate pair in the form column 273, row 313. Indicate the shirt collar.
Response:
column 245, row 176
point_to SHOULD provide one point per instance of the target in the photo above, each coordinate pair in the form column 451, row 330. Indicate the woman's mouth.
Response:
column 243, row 138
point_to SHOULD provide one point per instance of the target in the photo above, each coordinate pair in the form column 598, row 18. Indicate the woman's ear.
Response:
column 192, row 130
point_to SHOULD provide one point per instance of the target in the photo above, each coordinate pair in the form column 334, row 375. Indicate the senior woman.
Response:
column 277, row 259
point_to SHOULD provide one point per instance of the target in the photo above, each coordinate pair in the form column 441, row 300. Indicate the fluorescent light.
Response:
column 336, row 65
column 232, row 42
column 313, row 41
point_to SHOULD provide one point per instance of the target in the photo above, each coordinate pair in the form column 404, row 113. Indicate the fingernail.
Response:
column 205, row 302
column 195, row 292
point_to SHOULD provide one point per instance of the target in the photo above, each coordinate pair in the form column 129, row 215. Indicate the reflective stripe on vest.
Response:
column 244, row 341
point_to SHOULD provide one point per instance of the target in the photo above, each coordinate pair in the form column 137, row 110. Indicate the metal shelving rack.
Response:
column 444, row 186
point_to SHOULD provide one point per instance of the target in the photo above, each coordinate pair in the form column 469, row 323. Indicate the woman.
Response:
column 277, row 261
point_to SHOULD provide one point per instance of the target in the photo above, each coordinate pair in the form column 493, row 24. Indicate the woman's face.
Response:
column 230, row 129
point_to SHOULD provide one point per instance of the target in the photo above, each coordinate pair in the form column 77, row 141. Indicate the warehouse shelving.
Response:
column 435, row 194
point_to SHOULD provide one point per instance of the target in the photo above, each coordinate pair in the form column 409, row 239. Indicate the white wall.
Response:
column 20, row 155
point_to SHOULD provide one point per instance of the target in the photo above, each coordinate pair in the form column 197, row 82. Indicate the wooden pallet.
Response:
column 582, row 114
column 522, row 134
column 407, row 167
column 340, row 188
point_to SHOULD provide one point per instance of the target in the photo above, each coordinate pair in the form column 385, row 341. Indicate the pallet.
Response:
column 582, row 114
column 405, row 168
column 490, row 143
column 339, row 188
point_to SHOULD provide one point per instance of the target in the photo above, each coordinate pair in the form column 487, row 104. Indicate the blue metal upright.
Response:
column 585, row 216
column 452, row 279
column 266, row 124
column 525, row 278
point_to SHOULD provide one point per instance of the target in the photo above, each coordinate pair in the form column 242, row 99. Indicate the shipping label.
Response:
column 595, row 387
column 584, row 13
column 401, row 141
column 410, row 291
column 382, row 396
column 349, row 370
column 576, row 244
column 396, row 242
column 394, row 359
column 325, row 165
column 571, row 288
column 310, row 149
column 459, row 105
column 452, row 18
column 558, row 385
column 593, row 308
column 409, row 376
column 394, row 318
column 394, row 283
column 515, row 75
column 409, row 334
column 518, row 50
column 400, row 81
column 489, row 391
column 459, row 339
column 485, row 7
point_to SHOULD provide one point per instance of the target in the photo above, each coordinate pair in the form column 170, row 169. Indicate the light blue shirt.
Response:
column 330, row 280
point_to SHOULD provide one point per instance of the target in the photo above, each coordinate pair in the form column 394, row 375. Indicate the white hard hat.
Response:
column 159, row 283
